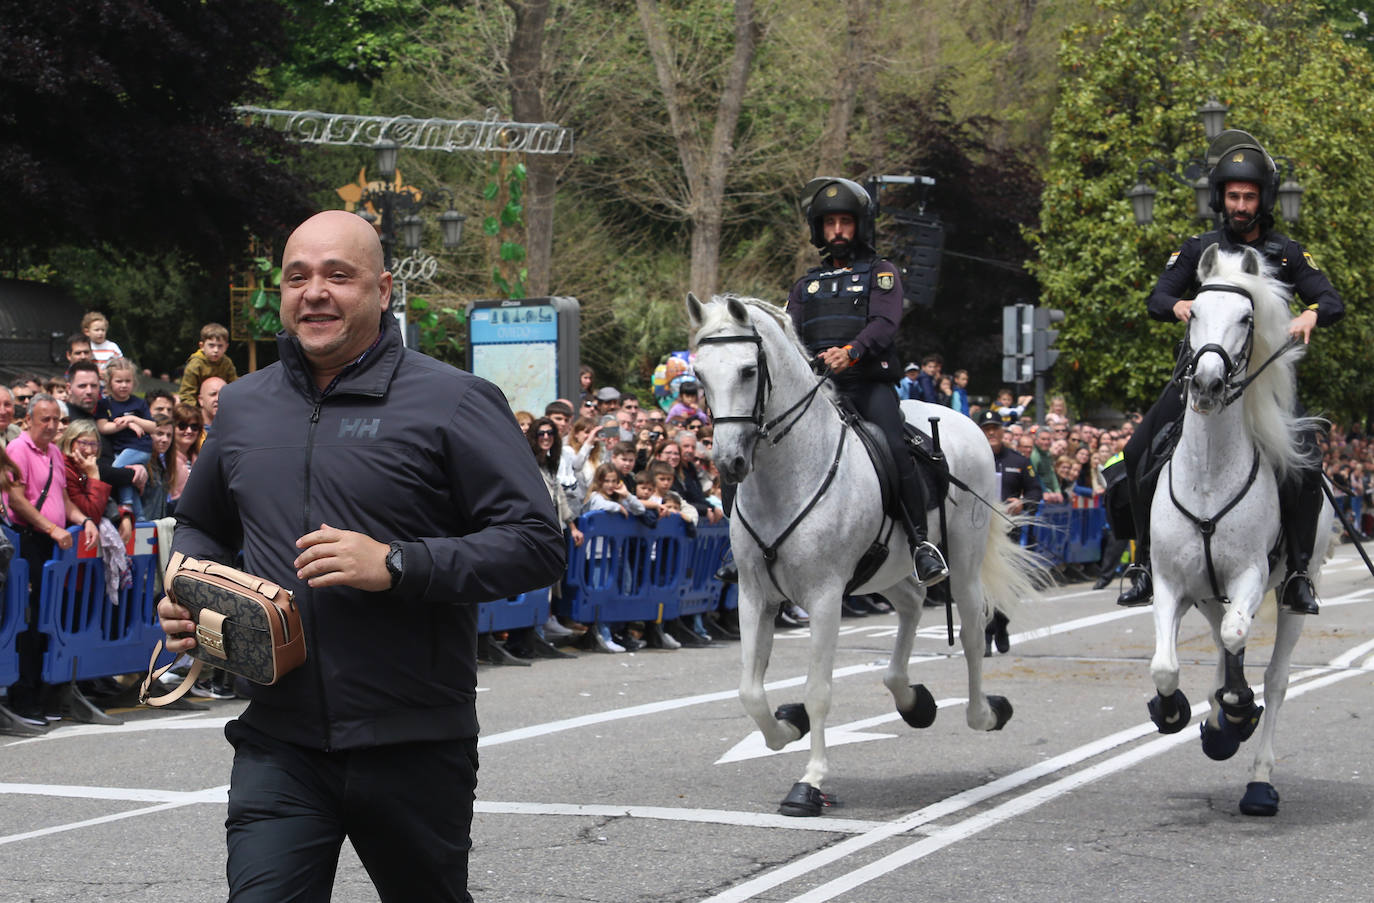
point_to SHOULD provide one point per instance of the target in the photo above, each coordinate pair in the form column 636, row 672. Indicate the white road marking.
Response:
column 699, row 816
column 963, row 800
column 753, row 747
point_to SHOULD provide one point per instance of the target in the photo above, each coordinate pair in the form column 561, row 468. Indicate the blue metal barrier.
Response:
column 1066, row 535
column 525, row 610
column 15, row 599
column 699, row 590
column 88, row 636
column 623, row 571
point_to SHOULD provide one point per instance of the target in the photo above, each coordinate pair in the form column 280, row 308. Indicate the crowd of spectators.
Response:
column 85, row 449
column 125, row 457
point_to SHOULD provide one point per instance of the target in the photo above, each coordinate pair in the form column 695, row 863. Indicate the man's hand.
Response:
column 335, row 557
column 577, row 535
column 174, row 620
column 1183, row 309
column 836, row 359
column 1014, row 505
column 1054, row 498
column 1302, row 325
column 714, row 515
column 140, row 475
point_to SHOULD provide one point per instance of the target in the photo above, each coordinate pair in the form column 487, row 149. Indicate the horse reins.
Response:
column 764, row 431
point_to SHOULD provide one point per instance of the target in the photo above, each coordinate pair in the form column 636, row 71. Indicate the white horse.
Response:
column 808, row 508
column 1215, row 517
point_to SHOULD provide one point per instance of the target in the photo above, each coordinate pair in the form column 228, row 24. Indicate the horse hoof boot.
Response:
column 1219, row 743
column 1260, row 799
column 922, row 713
column 1172, row 714
column 794, row 713
column 804, row 801
column 1002, row 709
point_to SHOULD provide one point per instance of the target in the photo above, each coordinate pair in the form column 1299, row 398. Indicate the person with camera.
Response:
column 391, row 494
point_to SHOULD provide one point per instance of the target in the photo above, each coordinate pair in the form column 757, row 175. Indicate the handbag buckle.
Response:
column 211, row 641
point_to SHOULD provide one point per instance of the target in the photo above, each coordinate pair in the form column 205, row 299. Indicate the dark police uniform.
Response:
column 1015, row 479
column 1299, row 500
column 858, row 307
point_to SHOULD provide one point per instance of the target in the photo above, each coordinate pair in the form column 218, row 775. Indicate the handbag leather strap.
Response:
column 177, row 692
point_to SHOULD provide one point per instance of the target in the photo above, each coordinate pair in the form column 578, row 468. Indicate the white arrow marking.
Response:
column 753, row 747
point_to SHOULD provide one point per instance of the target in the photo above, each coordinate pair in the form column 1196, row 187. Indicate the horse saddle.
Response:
column 933, row 471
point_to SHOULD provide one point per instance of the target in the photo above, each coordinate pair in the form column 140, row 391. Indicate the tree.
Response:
column 1130, row 84
column 118, row 126
column 705, row 164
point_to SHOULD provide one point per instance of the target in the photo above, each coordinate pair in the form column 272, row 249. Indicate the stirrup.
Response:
column 928, row 549
column 1141, row 590
column 1297, row 604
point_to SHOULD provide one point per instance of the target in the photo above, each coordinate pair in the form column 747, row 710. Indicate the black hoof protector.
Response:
column 1260, row 799
column 923, row 712
column 1219, row 743
column 805, row 801
column 1002, row 709
column 1161, row 708
column 794, row 713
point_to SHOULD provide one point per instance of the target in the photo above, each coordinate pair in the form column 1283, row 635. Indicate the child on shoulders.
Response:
column 125, row 418
column 96, row 327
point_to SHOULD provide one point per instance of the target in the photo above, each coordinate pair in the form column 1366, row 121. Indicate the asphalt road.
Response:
column 638, row 778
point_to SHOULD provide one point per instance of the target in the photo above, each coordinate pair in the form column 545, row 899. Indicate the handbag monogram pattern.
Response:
column 244, row 624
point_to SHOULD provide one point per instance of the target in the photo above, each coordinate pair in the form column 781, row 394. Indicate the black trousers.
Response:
column 878, row 403
column 36, row 549
column 406, row 808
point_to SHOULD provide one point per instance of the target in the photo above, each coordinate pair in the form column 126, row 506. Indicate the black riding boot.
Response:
column 728, row 572
column 1300, row 505
column 1142, row 590
column 930, row 564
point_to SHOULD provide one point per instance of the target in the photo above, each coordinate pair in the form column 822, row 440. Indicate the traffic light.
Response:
column 1045, row 354
column 1017, row 344
column 920, row 253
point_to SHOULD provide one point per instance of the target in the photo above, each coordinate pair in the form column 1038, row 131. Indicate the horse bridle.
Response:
column 762, row 387
column 1234, row 386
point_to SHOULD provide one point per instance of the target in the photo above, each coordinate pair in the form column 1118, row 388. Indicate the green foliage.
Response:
column 264, row 305
column 505, row 188
column 1130, row 86
column 441, row 329
column 156, row 303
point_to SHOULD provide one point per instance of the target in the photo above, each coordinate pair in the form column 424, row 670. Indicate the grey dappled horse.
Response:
column 1215, row 517
column 808, row 491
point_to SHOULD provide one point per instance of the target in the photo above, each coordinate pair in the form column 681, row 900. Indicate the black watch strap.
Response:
column 395, row 563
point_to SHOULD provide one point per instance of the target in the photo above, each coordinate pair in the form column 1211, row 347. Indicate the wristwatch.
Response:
column 853, row 352
column 395, row 563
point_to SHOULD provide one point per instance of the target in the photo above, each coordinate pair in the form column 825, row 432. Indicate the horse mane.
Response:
column 716, row 315
column 1268, row 402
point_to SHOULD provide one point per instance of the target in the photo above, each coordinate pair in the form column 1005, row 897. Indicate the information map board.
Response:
column 528, row 347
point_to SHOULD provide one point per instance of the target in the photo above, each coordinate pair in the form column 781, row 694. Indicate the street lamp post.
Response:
column 400, row 220
column 1194, row 175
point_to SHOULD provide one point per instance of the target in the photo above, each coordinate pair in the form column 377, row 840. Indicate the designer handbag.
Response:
column 244, row 624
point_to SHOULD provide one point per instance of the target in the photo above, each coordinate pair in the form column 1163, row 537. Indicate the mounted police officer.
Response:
column 1244, row 185
column 846, row 313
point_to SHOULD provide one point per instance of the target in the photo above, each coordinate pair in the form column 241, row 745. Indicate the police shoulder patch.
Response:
column 1173, row 259
column 1310, row 262
column 886, row 281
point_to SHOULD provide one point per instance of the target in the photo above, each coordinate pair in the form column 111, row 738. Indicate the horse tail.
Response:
column 1011, row 573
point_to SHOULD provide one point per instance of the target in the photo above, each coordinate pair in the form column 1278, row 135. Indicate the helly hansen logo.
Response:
column 358, row 428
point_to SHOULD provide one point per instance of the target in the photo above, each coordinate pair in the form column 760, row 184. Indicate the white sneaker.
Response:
column 554, row 629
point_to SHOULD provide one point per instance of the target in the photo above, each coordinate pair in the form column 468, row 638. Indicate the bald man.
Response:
column 391, row 493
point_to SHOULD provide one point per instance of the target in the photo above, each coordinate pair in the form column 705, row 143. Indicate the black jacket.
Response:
column 1292, row 265
column 1017, row 477
column 403, row 448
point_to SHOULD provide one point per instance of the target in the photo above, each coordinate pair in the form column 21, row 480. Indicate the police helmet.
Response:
column 1240, row 158
column 834, row 195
